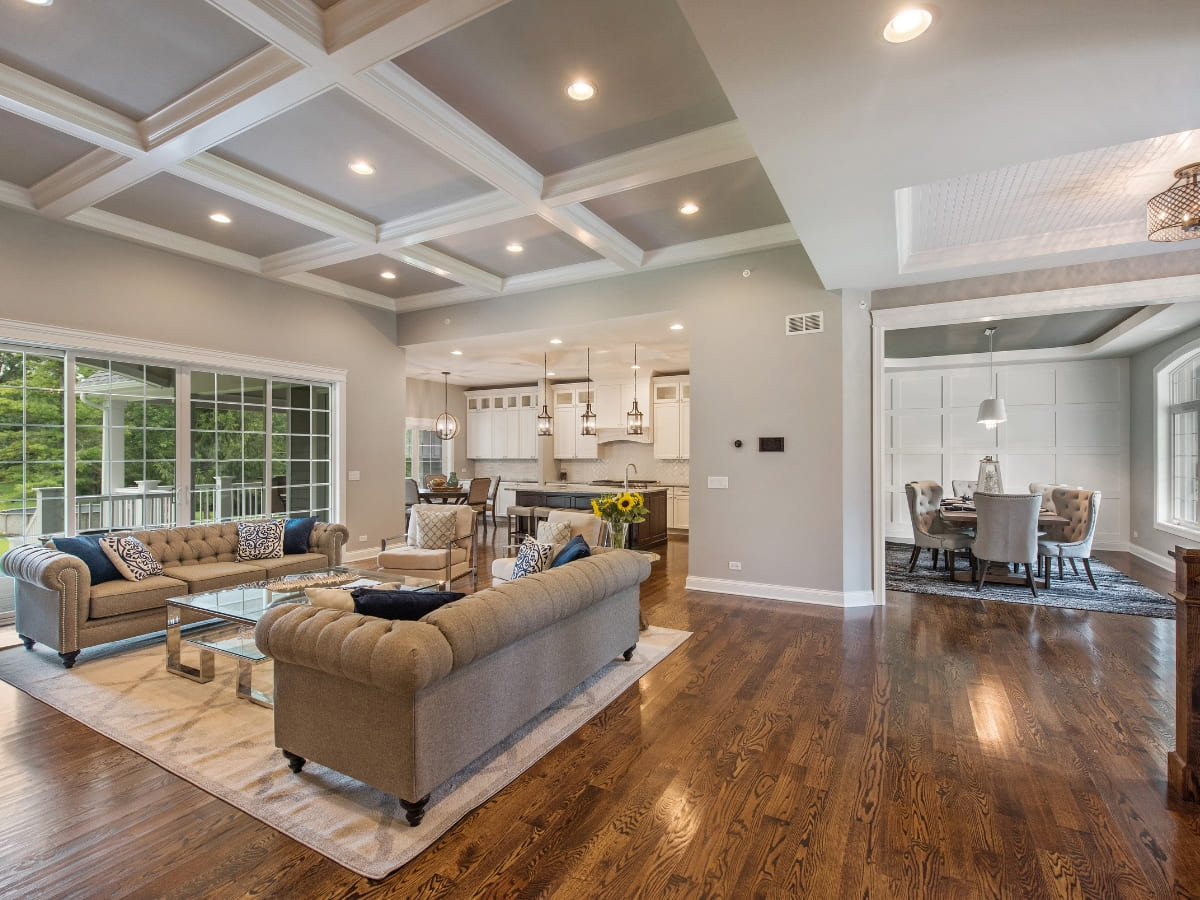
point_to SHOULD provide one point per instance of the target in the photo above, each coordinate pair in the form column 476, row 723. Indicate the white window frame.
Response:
column 1164, row 518
column 430, row 425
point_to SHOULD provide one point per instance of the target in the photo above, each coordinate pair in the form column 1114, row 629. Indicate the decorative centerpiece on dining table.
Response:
column 620, row 511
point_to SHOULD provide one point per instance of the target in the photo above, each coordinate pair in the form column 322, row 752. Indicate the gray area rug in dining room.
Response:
column 1117, row 592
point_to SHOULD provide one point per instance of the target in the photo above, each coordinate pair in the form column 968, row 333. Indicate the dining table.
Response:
column 962, row 514
column 443, row 495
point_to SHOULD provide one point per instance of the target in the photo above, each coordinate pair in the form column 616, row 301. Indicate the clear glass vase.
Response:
column 620, row 532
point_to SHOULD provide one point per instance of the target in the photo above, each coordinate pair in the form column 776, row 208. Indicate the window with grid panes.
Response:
column 1184, row 418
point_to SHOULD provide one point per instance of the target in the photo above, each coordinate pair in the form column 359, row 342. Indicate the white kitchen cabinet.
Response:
column 497, row 422
column 680, row 506
column 570, row 401
column 672, row 417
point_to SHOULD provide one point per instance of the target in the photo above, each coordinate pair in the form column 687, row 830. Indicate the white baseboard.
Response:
column 359, row 555
column 780, row 592
column 1155, row 559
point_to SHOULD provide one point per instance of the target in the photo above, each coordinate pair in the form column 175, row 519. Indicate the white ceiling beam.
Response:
column 563, row 275
column 436, row 299
column 15, row 196
column 448, row 267
column 61, row 110
column 313, row 256
column 672, row 158
column 590, row 230
column 258, row 190
column 237, row 84
column 453, row 218
column 362, row 33
column 725, row 245
column 295, row 26
column 163, row 239
column 88, row 170
column 333, row 288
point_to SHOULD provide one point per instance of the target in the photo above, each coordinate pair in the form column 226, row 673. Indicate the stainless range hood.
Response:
column 613, row 435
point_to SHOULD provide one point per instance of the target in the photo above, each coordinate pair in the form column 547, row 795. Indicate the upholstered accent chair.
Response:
column 477, row 498
column 451, row 559
column 964, row 488
column 1073, row 540
column 1046, row 489
column 1007, row 533
column 592, row 527
column 929, row 528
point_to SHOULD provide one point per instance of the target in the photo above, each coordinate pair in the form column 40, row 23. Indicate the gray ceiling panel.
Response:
column 177, row 205
column 29, row 151
column 1029, row 333
column 365, row 274
column 544, row 247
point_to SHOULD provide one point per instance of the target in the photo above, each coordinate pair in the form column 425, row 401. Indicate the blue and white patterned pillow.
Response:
column 131, row 557
column 532, row 557
column 260, row 540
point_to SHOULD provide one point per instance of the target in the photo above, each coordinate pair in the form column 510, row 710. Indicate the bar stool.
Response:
column 520, row 521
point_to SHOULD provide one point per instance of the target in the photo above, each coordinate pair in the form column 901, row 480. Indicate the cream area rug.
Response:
column 204, row 734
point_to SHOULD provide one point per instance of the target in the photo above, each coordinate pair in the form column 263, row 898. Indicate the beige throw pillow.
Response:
column 434, row 527
column 333, row 598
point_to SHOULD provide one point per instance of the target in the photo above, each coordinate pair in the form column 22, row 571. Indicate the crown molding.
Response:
column 258, row 190
column 672, row 158
column 61, row 110
column 454, row 218
column 312, row 256
column 295, row 26
column 333, row 288
column 237, row 84
column 436, row 299
column 162, row 239
column 725, row 245
column 447, row 267
column 16, row 196
column 563, row 275
column 57, row 193
column 590, row 230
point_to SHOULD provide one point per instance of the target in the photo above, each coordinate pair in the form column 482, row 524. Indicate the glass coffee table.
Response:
column 223, row 621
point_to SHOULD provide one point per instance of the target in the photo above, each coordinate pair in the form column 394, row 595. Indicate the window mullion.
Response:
column 71, row 510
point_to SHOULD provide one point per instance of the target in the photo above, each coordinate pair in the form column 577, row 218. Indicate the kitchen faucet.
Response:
column 629, row 466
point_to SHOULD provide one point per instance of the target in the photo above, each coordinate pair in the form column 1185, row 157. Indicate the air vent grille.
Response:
column 805, row 323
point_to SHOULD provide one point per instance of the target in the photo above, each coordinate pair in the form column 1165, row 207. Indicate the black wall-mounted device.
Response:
column 770, row 445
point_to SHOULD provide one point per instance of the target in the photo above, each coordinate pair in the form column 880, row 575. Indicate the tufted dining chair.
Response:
column 964, row 488
column 1046, row 489
column 929, row 528
column 1073, row 540
column 1006, row 532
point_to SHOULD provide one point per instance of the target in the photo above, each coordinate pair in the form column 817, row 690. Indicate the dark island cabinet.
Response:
column 641, row 536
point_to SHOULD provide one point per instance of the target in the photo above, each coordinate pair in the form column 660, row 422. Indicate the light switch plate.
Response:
column 718, row 481
column 353, row 475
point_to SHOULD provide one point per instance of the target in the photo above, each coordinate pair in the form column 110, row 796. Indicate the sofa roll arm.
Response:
column 48, row 568
column 329, row 538
column 399, row 657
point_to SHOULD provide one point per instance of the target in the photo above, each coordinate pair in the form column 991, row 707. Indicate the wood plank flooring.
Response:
column 936, row 747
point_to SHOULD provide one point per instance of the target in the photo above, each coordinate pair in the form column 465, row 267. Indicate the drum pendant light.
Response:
column 991, row 411
column 588, row 418
column 446, row 426
column 545, row 422
column 633, row 418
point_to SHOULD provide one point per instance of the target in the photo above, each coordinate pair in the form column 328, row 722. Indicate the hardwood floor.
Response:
column 937, row 747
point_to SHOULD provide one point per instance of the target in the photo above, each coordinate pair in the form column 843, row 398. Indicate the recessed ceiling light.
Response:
column 40, row 2
column 389, row 274
column 221, row 218
column 549, row 374
column 456, row 353
column 678, row 326
column 689, row 208
column 907, row 25
column 581, row 90
column 362, row 167
column 514, row 247
column 556, row 340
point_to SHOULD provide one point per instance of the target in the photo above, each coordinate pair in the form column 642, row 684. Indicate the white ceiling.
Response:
column 1011, row 136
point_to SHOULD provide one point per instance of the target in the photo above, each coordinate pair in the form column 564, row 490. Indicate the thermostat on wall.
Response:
column 770, row 445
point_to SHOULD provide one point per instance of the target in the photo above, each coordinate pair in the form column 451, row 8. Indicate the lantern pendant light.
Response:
column 991, row 411
column 545, row 422
column 633, row 418
column 446, row 426
column 588, row 418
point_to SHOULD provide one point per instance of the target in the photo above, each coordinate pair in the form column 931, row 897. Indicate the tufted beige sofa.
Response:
column 404, row 705
column 57, row 604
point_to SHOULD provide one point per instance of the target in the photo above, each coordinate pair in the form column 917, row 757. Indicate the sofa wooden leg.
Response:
column 414, row 812
column 295, row 763
column 628, row 654
column 27, row 641
column 68, row 659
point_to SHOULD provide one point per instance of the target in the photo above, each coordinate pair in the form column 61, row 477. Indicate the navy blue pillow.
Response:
column 296, row 533
column 396, row 604
column 575, row 548
column 87, row 548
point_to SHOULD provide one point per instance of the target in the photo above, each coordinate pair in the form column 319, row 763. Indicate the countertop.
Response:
column 597, row 489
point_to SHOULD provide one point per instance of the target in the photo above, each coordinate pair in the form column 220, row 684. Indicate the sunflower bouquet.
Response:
column 620, row 511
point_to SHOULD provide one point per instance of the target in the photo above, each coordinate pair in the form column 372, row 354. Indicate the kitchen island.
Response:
column 641, row 536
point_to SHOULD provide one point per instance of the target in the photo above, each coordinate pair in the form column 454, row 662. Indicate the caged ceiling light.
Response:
column 545, row 422
column 588, row 418
column 633, row 418
column 1174, row 215
column 991, row 411
column 446, row 426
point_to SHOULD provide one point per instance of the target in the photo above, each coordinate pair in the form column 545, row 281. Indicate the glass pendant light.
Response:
column 991, row 411
column 588, row 418
column 446, row 426
column 545, row 422
column 633, row 418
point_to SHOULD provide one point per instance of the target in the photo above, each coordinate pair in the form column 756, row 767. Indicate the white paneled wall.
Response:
column 1067, row 423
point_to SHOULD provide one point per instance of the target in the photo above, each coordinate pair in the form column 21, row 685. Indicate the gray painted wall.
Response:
column 56, row 274
column 784, row 516
column 427, row 400
column 1141, row 446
